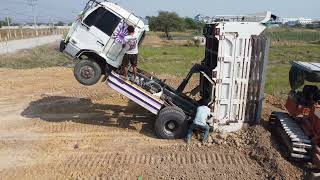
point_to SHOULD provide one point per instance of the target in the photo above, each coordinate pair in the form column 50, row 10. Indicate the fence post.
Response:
column 15, row 33
column 6, row 45
column 8, row 35
column 21, row 33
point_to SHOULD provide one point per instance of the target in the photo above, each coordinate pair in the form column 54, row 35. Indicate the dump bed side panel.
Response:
column 258, row 67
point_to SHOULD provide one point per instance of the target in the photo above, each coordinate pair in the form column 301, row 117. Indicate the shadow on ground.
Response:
column 81, row 110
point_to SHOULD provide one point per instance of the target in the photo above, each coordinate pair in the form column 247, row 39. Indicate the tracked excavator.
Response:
column 299, row 127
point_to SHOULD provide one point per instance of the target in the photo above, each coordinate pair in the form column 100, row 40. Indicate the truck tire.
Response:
column 87, row 72
column 171, row 123
column 62, row 46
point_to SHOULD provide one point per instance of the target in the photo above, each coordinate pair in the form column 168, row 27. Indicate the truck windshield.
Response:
column 103, row 20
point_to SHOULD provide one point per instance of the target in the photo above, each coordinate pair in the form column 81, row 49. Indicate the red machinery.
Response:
column 299, row 127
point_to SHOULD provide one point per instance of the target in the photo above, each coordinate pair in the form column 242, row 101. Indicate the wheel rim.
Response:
column 171, row 126
column 87, row 72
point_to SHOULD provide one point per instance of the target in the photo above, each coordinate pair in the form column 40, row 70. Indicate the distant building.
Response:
column 314, row 24
column 304, row 21
column 202, row 18
column 296, row 21
column 198, row 18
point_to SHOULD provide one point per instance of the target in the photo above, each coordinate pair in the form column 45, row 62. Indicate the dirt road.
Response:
column 15, row 45
column 53, row 128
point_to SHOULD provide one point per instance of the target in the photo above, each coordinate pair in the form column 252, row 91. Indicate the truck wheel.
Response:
column 87, row 72
column 62, row 46
column 171, row 123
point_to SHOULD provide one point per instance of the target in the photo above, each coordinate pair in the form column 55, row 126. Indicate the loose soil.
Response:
column 51, row 127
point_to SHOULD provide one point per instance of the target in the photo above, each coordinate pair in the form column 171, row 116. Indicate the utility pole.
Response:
column 33, row 4
column 8, row 22
column 51, row 26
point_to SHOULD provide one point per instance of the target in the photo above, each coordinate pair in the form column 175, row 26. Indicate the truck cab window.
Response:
column 94, row 16
column 103, row 20
column 108, row 22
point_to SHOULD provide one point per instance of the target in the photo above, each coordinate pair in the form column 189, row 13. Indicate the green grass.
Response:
column 39, row 57
column 286, row 34
column 175, row 60
column 286, row 53
column 277, row 82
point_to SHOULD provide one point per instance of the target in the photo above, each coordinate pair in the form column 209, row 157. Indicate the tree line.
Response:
column 170, row 21
column 5, row 21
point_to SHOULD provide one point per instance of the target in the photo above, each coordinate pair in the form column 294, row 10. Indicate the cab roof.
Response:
column 310, row 67
column 123, row 13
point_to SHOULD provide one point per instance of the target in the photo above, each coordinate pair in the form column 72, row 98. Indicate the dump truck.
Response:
column 231, row 76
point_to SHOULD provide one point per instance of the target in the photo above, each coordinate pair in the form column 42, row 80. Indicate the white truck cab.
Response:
column 97, row 35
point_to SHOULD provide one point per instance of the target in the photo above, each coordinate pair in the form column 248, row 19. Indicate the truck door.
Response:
column 96, row 30
column 114, row 50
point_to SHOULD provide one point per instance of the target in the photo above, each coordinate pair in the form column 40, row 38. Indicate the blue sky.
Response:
column 66, row 10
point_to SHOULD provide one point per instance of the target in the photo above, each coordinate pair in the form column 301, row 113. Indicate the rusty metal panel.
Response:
column 258, row 66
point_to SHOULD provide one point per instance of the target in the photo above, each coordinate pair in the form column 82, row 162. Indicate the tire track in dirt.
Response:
column 88, row 160
column 96, row 166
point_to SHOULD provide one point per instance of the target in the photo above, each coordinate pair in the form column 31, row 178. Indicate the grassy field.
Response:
column 178, row 59
column 300, row 45
column 291, row 34
column 170, row 60
column 43, row 56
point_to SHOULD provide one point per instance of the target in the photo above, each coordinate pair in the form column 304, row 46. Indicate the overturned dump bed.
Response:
column 298, row 144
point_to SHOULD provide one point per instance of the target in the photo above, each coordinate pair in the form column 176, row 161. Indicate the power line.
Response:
column 33, row 4
column 15, row 2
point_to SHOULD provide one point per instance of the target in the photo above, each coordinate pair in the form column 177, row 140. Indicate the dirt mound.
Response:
column 258, row 143
column 153, row 41
column 274, row 101
column 264, row 150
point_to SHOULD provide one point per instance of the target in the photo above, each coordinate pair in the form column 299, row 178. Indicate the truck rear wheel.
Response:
column 87, row 72
column 171, row 123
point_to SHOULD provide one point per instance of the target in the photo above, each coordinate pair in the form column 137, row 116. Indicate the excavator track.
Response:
column 298, row 144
